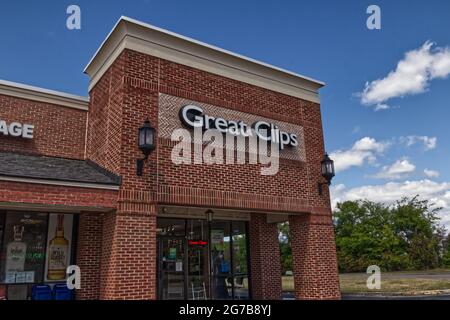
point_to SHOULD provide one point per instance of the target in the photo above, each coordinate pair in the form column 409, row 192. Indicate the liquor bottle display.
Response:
column 58, row 253
column 16, row 251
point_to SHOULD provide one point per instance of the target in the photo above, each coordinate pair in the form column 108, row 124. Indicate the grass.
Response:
column 403, row 283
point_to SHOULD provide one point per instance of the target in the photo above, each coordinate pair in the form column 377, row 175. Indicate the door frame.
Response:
column 160, row 263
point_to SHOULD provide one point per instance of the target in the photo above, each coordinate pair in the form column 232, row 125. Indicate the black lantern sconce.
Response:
column 146, row 144
column 328, row 172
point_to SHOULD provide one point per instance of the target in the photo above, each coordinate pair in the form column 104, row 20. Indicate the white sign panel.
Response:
column 58, row 246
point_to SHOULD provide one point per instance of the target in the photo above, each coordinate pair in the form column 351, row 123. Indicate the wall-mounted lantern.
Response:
column 328, row 172
column 146, row 143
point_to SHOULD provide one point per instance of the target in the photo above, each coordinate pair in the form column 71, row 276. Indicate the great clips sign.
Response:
column 194, row 117
column 16, row 129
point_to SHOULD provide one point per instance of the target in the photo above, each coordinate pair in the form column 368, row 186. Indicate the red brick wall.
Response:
column 105, row 124
column 89, row 252
column 128, row 269
column 59, row 131
column 314, row 257
column 138, row 79
column 265, row 262
column 56, row 195
column 125, row 96
column 107, row 261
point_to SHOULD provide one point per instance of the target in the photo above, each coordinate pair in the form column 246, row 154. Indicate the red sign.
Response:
column 197, row 243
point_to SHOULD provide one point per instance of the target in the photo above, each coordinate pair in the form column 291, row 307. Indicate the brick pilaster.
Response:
column 129, row 253
column 89, row 247
column 314, row 257
column 265, row 260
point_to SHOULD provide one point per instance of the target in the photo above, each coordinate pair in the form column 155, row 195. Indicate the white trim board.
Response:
column 60, row 183
column 24, row 91
column 145, row 38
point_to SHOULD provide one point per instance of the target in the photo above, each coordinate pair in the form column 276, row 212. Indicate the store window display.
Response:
column 36, row 248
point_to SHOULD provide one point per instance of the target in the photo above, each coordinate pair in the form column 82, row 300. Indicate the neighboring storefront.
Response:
column 36, row 248
column 93, row 182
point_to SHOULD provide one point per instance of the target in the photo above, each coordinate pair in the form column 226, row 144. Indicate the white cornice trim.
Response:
column 145, row 38
column 24, row 91
column 60, row 183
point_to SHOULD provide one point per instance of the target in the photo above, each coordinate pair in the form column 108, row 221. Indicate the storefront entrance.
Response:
column 200, row 260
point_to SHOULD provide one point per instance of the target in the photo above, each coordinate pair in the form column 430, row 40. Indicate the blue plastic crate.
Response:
column 61, row 292
column 41, row 292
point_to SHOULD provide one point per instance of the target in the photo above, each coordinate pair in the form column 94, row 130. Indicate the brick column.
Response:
column 265, row 262
column 89, row 248
column 314, row 257
column 129, row 253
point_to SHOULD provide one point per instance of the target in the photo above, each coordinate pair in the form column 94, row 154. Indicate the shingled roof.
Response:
column 56, row 169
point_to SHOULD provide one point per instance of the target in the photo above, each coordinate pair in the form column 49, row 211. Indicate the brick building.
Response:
column 70, row 193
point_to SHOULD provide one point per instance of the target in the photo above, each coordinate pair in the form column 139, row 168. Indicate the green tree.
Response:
column 446, row 252
column 403, row 236
column 285, row 247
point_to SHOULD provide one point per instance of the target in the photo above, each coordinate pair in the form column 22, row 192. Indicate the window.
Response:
column 35, row 248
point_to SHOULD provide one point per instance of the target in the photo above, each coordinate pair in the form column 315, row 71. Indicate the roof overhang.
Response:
column 145, row 38
column 24, row 91
column 60, row 183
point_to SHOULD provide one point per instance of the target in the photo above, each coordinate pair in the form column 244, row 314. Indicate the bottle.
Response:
column 16, row 251
column 58, row 253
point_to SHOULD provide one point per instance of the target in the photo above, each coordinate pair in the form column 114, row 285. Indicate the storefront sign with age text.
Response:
column 16, row 129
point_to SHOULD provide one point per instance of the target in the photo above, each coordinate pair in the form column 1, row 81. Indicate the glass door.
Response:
column 171, row 255
column 198, row 261
column 221, row 277
column 229, row 260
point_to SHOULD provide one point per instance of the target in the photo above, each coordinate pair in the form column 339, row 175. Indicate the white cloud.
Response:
column 389, row 193
column 382, row 106
column 431, row 173
column 398, row 170
column 412, row 76
column 364, row 150
column 429, row 143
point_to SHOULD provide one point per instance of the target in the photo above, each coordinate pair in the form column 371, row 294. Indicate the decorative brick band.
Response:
column 227, row 199
column 136, row 202
column 16, row 192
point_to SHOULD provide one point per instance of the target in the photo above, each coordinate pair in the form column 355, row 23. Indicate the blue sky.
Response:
column 381, row 155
